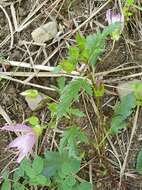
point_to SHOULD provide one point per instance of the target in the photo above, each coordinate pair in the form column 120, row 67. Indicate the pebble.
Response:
column 34, row 103
column 45, row 32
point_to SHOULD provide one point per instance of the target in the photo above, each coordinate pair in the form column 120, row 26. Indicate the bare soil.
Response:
column 126, row 50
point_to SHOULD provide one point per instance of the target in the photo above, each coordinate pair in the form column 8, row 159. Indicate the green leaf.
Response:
column 52, row 163
column 61, row 83
column 125, row 108
column 121, row 113
column 96, row 43
column 68, row 183
column 57, row 70
column 85, row 186
column 18, row 173
column 117, row 124
column 81, row 41
column 33, row 120
column 99, row 90
column 31, row 93
column 37, row 165
column 40, row 180
column 130, row 2
column 70, row 139
column 61, row 164
column 67, row 66
column 53, row 108
column 69, row 94
column 69, row 166
column 73, row 54
column 6, row 185
column 139, row 162
column 76, row 112
column 26, row 166
column 137, row 89
column 17, row 186
column 5, row 174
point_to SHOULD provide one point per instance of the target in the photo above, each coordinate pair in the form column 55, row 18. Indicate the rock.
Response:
column 126, row 88
column 34, row 103
column 45, row 32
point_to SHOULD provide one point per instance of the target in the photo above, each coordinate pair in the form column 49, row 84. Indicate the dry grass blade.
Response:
column 28, row 83
column 122, row 171
column 10, row 26
column 5, row 115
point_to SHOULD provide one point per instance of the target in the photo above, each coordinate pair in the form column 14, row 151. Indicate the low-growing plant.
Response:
column 55, row 169
column 58, row 169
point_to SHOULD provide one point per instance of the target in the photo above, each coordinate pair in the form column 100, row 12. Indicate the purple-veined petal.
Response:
column 24, row 144
column 21, row 156
column 17, row 128
column 108, row 16
column 114, row 17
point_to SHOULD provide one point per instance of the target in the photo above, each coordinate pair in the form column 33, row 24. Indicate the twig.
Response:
column 89, row 18
column 5, row 115
column 28, row 83
column 40, row 74
column 129, row 146
column 37, row 67
column 10, row 26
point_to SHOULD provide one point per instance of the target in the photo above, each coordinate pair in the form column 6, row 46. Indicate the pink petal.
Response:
column 17, row 128
column 20, row 157
column 113, row 17
column 108, row 16
column 24, row 144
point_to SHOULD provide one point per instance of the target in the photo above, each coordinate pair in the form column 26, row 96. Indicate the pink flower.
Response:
column 114, row 17
column 23, row 143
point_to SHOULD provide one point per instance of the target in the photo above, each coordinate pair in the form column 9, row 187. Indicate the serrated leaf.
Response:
column 70, row 139
column 130, row 2
column 121, row 113
column 18, row 186
column 6, row 185
column 68, row 183
column 85, row 186
column 37, row 165
column 67, row 66
column 137, row 89
column 81, row 41
column 69, row 94
column 69, row 165
column 73, row 54
column 76, row 112
column 52, row 163
column 61, row 83
column 26, row 167
column 139, row 162
column 124, row 109
column 5, row 174
column 117, row 124
column 96, row 43
column 40, row 180
column 18, row 173
column 61, row 164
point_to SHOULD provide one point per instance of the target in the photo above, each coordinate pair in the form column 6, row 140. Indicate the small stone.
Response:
column 45, row 32
column 126, row 88
column 34, row 103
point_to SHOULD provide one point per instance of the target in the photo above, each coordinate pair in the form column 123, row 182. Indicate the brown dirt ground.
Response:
column 15, row 106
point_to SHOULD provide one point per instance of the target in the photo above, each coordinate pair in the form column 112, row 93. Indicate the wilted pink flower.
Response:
column 23, row 143
column 114, row 17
